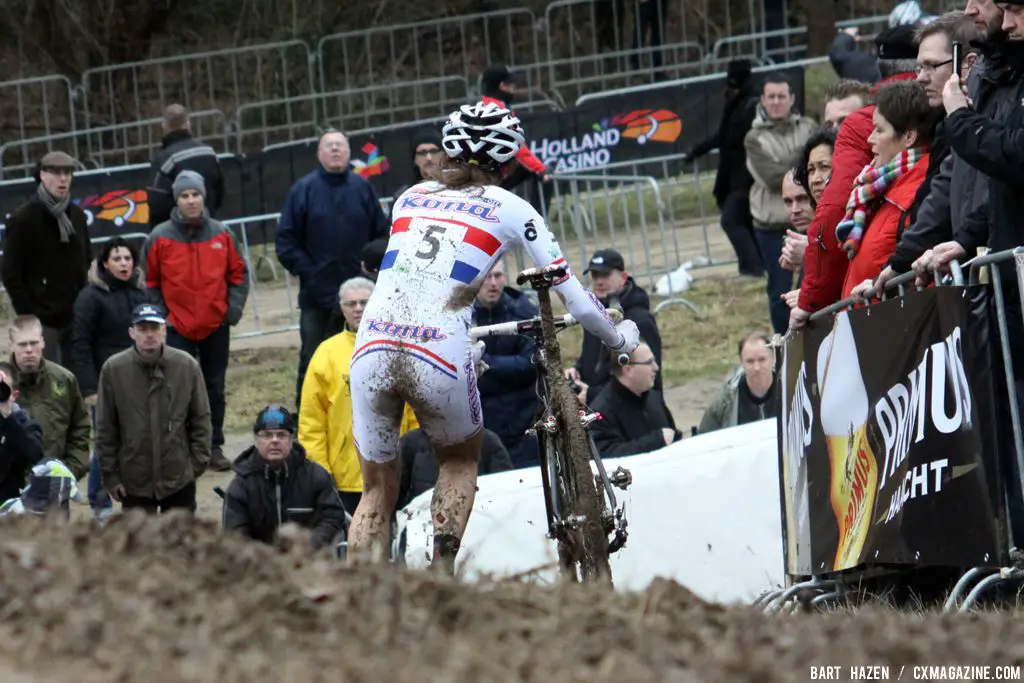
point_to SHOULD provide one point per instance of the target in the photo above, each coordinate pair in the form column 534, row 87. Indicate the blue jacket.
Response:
column 507, row 390
column 325, row 222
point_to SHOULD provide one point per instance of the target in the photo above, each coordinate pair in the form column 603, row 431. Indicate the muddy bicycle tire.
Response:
column 571, row 452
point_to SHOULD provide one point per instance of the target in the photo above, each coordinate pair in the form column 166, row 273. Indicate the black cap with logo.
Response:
column 274, row 416
column 148, row 313
column 605, row 261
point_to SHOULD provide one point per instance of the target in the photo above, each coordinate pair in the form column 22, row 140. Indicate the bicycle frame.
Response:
column 549, row 432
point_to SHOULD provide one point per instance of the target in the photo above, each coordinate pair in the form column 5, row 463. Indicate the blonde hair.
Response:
column 24, row 323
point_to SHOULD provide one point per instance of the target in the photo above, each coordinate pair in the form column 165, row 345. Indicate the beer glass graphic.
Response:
column 844, row 410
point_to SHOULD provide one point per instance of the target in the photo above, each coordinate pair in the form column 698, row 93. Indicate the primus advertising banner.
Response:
column 795, row 428
column 885, row 409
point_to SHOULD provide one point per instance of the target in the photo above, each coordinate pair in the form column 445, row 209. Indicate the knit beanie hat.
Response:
column 188, row 180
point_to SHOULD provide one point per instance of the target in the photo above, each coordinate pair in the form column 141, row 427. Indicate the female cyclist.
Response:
column 413, row 344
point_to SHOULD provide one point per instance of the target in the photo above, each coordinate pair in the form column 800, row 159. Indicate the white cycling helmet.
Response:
column 485, row 133
column 906, row 14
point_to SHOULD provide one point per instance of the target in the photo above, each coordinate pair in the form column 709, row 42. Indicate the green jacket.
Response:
column 53, row 399
column 724, row 410
column 153, row 427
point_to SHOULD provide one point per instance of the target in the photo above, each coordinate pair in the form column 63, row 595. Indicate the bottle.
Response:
column 844, row 411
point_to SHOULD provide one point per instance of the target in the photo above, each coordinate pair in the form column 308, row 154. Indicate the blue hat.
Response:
column 274, row 416
column 148, row 313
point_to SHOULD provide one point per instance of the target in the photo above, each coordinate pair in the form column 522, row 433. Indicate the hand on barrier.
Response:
column 798, row 317
column 936, row 261
column 791, row 298
column 883, row 279
column 860, row 291
column 792, row 257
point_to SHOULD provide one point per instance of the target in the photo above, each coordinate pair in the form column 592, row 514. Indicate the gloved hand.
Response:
column 476, row 352
column 630, row 337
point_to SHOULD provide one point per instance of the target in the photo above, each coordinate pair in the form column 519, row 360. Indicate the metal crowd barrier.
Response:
column 982, row 579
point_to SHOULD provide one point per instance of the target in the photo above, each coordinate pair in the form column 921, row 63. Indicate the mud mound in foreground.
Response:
column 172, row 600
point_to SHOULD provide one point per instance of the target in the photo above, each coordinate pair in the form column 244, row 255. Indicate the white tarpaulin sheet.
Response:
column 704, row 511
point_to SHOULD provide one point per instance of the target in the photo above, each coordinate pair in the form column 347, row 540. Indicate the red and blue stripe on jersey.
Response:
column 461, row 271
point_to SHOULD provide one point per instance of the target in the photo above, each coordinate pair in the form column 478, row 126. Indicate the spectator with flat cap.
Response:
column 196, row 272
column 152, row 420
column 825, row 260
column 47, row 255
column 615, row 288
column 275, row 483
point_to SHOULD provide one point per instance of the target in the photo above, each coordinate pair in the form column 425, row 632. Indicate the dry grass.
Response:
column 255, row 378
column 701, row 345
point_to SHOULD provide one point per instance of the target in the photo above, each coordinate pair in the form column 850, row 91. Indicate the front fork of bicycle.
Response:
column 620, row 478
column 613, row 520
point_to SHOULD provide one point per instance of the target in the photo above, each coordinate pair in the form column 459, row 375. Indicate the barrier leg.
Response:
column 961, row 586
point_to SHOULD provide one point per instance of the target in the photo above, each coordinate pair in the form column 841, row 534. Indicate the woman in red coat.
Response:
column 883, row 193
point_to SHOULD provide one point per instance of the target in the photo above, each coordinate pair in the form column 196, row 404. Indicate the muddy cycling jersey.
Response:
column 413, row 342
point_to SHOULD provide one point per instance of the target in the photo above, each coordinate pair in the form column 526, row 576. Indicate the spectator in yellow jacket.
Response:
column 325, row 413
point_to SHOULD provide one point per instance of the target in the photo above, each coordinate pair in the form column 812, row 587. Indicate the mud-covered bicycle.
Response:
column 584, row 517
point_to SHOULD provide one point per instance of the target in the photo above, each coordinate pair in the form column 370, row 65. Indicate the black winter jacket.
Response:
column 260, row 499
column 593, row 365
column 508, row 391
column 181, row 152
column 630, row 424
column 21, row 447
column 737, row 119
column 849, row 62
column 419, row 464
column 103, row 314
column 995, row 146
column 43, row 275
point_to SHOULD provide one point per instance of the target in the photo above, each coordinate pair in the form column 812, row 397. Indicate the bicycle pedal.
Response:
column 587, row 420
column 621, row 478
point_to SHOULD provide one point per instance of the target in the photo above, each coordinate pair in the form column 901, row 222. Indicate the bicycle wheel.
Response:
column 560, row 482
column 572, row 452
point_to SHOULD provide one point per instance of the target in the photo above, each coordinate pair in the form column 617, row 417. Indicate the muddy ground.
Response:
column 169, row 599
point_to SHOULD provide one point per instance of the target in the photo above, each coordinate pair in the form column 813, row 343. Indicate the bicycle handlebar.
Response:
column 517, row 327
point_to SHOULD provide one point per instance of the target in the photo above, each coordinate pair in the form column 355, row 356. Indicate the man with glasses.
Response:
column 47, row 256
column 327, row 219
column 953, row 188
column 747, row 395
column 274, row 483
column 634, row 417
column 426, row 153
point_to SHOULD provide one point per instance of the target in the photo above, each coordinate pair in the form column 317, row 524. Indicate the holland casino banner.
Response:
column 653, row 123
column 881, row 448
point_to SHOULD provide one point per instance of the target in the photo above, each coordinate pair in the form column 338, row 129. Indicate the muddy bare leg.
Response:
column 453, row 498
column 370, row 532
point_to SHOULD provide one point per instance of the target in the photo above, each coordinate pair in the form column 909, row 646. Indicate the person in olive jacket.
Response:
column 152, row 420
column 275, row 483
column 46, row 255
column 103, row 314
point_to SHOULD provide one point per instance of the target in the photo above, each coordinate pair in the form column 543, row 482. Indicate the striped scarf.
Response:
column 871, row 184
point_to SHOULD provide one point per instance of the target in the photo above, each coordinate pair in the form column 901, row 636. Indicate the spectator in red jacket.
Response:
column 196, row 273
column 825, row 261
column 498, row 86
column 884, row 193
